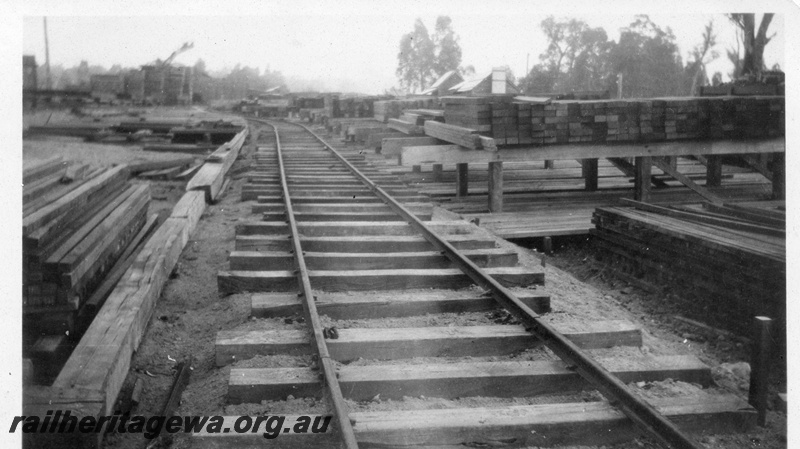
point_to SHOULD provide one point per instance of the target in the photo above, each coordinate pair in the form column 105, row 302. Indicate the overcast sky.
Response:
column 351, row 46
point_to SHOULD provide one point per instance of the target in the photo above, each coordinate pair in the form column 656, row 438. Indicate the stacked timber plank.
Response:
column 465, row 137
column 468, row 112
column 512, row 122
column 384, row 110
column 210, row 177
column 166, row 169
column 77, row 234
column 91, row 379
column 85, row 130
column 732, row 257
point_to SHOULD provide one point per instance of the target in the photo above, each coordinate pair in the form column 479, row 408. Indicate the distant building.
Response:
column 485, row 85
column 204, row 88
column 443, row 84
column 107, row 88
column 134, row 85
column 167, row 84
column 29, row 67
column 29, row 81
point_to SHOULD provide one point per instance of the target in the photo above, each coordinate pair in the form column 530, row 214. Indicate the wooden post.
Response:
column 672, row 161
column 416, row 169
column 548, row 164
column 462, row 179
column 641, row 182
column 496, row 186
column 713, row 170
column 759, row 368
column 437, row 172
column 778, row 176
column 547, row 245
column 590, row 174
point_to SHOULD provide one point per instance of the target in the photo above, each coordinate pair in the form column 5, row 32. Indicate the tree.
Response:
column 447, row 51
column 423, row 58
column 416, row 58
column 200, row 67
column 698, row 65
column 576, row 58
column 466, row 72
column 753, row 42
column 648, row 59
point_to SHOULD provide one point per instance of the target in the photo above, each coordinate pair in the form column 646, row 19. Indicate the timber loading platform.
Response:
column 408, row 324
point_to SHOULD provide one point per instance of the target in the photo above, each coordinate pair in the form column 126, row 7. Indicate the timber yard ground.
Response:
column 190, row 312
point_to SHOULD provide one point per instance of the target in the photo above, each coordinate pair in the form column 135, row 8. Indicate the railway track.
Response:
column 351, row 248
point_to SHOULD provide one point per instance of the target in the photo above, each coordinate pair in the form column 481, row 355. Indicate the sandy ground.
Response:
column 190, row 313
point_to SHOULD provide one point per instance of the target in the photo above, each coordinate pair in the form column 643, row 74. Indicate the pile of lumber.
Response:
column 178, row 168
column 155, row 126
column 731, row 258
column 354, row 107
column 514, row 120
column 575, row 95
column 211, row 176
column 386, row 109
column 465, row 137
column 85, row 130
column 511, row 123
column 74, row 233
column 469, row 112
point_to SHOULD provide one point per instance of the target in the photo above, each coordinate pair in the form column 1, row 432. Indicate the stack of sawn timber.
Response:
column 91, row 379
column 512, row 122
column 730, row 257
column 73, row 233
column 384, row 110
column 211, row 176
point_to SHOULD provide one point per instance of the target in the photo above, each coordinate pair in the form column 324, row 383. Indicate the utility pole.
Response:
column 527, row 72
column 48, row 86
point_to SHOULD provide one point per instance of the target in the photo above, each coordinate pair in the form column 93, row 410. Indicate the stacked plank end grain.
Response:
column 210, row 177
column 73, row 235
column 529, row 121
column 729, row 261
column 91, row 379
column 386, row 109
column 468, row 112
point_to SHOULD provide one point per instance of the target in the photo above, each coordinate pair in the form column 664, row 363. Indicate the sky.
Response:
column 352, row 47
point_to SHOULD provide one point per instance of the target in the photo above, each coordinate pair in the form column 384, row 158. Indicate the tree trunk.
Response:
column 754, row 43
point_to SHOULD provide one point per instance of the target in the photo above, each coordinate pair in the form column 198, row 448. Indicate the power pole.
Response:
column 46, row 57
column 527, row 72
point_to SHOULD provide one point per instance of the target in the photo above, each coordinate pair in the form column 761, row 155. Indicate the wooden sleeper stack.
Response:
column 70, row 243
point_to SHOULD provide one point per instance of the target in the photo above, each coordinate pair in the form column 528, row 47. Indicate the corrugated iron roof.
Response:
column 442, row 79
column 468, row 85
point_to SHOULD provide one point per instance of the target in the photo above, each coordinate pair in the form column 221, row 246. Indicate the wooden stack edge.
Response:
column 76, row 238
column 406, row 127
column 384, row 110
column 168, row 169
column 458, row 135
column 92, row 377
column 69, row 204
column 744, row 284
column 360, row 132
column 42, row 168
column 211, row 175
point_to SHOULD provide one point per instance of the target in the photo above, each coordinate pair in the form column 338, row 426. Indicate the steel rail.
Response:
column 639, row 411
column 310, row 310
